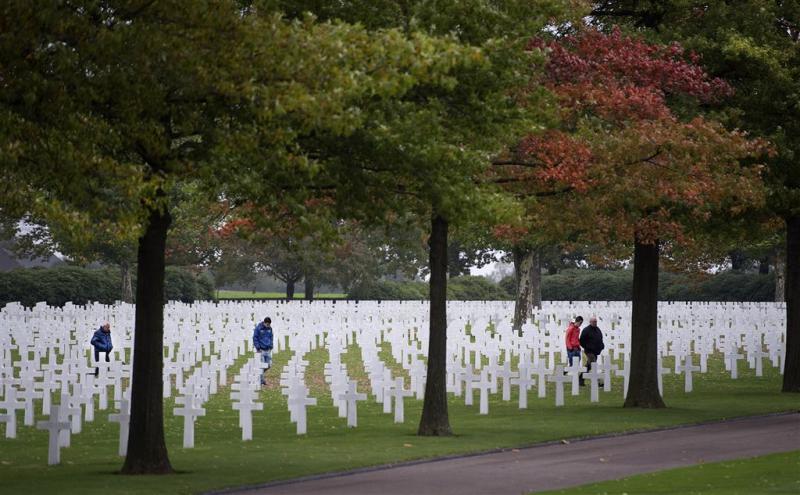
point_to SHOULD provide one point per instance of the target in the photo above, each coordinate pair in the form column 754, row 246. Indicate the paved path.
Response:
column 554, row 466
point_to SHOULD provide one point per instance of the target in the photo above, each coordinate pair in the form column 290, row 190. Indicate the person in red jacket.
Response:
column 573, row 339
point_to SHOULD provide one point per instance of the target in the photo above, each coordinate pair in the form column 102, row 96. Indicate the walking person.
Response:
column 101, row 341
column 592, row 342
column 262, row 341
column 573, row 339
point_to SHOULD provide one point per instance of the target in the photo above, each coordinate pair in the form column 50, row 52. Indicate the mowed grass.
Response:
column 220, row 459
column 773, row 474
column 246, row 294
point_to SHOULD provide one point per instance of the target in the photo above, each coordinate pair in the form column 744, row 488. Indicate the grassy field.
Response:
column 246, row 294
column 221, row 459
column 770, row 474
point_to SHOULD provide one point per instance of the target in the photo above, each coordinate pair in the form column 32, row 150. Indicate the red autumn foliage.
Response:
column 622, row 161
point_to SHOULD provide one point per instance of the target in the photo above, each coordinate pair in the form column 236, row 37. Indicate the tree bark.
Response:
column 643, row 388
column 536, row 279
column 309, row 286
column 791, row 371
column 524, row 269
column 127, row 283
column 147, row 451
column 435, row 420
column 290, row 289
column 780, row 275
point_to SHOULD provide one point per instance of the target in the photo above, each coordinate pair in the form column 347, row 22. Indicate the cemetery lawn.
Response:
column 246, row 294
column 220, row 459
column 776, row 473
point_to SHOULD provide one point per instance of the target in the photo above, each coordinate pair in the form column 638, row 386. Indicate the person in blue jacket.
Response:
column 262, row 341
column 101, row 341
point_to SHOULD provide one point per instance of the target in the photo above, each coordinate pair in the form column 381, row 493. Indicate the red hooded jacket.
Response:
column 573, row 337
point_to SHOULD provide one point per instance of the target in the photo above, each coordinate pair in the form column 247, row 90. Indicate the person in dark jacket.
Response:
column 262, row 341
column 101, row 341
column 592, row 343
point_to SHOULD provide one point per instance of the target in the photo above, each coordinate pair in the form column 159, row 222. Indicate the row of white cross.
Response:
column 44, row 350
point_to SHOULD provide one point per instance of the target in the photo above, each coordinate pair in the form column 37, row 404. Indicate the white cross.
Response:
column 123, row 417
column 524, row 382
column 299, row 404
column 559, row 378
column 625, row 373
column 687, row 368
column 660, row 372
column 574, row 372
column 757, row 355
column 594, row 376
column 398, row 394
column 484, row 385
column 351, row 397
column 387, row 391
column 542, row 372
column 246, row 408
column 29, row 394
column 189, row 413
column 506, row 374
column 732, row 358
column 11, row 405
column 470, row 377
column 55, row 426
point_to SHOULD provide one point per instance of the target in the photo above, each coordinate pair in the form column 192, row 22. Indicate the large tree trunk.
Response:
column 309, row 286
column 435, row 419
column 780, row 275
column 290, row 289
column 643, row 388
column 127, row 283
column 791, row 372
column 526, row 263
column 147, row 452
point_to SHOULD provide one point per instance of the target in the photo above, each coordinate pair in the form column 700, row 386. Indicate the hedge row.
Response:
column 617, row 285
column 465, row 288
column 56, row 286
column 587, row 285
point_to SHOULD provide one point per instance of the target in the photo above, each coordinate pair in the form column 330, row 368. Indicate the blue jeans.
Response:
column 266, row 358
column 573, row 354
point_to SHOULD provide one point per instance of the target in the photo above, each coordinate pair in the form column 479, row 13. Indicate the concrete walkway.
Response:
column 555, row 466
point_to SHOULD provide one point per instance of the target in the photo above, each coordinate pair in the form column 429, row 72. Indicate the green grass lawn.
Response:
column 246, row 294
column 221, row 459
column 776, row 473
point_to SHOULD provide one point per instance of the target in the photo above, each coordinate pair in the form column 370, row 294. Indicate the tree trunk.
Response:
column 780, row 275
column 435, row 420
column 309, row 284
column 127, row 283
column 791, row 372
column 524, row 268
column 147, row 452
column 290, row 289
column 536, row 279
column 643, row 388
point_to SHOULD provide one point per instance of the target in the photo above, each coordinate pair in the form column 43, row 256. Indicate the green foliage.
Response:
column 388, row 290
column 616, row 285
column 472, row 288
column 56, row 286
